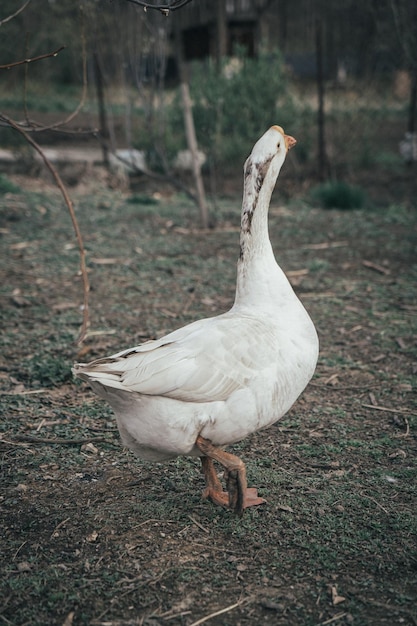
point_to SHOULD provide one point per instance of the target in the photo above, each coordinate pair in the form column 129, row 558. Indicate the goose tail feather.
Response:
column 105, row 378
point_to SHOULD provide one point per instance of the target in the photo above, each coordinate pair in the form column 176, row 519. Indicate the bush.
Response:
column 234, row 107
column 339, row 195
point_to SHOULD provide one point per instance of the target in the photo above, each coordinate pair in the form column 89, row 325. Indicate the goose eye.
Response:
column 278, row 145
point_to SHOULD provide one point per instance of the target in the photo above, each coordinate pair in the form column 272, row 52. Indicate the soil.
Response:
column 92, row 535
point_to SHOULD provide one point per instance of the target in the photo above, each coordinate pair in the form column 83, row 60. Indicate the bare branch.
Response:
column 35, row 126
column 164, row 8
column 84, row 91
column 10, row 17
column 68, row 202
column 8, row 66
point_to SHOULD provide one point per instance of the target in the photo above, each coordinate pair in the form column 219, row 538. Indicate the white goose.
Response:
column 216, row 380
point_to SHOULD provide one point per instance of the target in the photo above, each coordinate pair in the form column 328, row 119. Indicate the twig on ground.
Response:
column 18, row 550
column 30, row 392
column 58, row 526
column 376, row 268
column 385, row 408
column 194, row 521
column 57, row 441
column 375, row 502
column 225, row 610
column 333, row 619
column 175, row 615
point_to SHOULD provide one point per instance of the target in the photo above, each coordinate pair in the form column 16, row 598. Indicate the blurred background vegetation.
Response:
column 340, row 76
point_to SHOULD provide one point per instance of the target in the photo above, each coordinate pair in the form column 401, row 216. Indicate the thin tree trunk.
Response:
column 321, row 157
column 412, row 107
column 221, row 40
column 190, row 133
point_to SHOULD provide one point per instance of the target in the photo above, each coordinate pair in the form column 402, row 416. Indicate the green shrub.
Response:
column 232, row 107
column 6, row 185
column 339, row 195
column 141, row 198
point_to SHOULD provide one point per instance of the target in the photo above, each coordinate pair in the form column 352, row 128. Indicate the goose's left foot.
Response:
column 238, row 496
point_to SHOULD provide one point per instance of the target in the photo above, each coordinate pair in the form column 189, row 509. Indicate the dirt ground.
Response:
column 92, row 535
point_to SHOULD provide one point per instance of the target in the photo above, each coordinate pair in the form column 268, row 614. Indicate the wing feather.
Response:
column 205, row 361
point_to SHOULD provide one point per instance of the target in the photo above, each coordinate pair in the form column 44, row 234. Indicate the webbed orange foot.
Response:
column 241, row 497
column 238, row 496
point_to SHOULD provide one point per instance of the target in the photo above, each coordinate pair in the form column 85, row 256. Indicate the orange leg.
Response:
column 238, row 496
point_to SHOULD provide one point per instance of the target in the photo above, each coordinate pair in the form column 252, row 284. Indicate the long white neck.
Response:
column 259, row 278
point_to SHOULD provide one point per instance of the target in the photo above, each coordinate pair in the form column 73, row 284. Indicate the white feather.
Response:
column 222, row 377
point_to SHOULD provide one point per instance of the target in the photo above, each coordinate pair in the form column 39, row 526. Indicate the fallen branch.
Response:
column 68, row 202
column 333, row 619
column 376, row 268
column 385, row 408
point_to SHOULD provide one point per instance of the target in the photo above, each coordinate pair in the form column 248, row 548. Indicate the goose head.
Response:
column 261, row 171
column 269, row 152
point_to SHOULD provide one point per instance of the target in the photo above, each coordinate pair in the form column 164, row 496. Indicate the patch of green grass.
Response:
column 47, row 370
column 389, row 160
column 397, row 214
column 7, row 186
column 339, row 477
column 318, row 265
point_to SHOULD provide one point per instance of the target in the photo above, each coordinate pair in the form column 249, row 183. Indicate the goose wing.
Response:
column 205, row 361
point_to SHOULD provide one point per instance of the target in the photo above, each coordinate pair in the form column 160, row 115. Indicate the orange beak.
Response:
column 289, row 142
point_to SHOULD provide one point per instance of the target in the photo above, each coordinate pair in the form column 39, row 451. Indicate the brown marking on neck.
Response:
column 261, row 171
